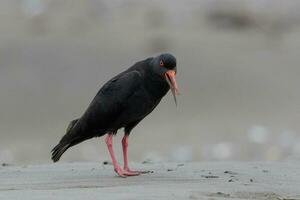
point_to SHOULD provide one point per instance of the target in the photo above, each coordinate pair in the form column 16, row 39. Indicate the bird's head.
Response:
column 165, row 66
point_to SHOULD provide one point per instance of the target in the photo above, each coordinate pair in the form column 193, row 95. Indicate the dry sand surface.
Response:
column 203, row 180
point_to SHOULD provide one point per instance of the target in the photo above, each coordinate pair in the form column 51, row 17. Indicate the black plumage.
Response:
column 122, row 102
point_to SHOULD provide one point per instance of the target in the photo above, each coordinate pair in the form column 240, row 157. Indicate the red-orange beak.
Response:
column 170, row 78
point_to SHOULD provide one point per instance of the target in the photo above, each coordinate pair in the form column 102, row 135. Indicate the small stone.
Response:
column 106, row 163
column 230, row 172
column 223, row 194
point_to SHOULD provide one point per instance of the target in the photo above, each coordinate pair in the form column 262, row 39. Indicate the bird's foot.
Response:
column 138, row 172
column 124, row 173
column 128, row 172
column 119, row 171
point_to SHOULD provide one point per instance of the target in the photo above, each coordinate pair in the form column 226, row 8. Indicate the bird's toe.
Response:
column 120, row 172
column 143, row 171
column 131, row 173
column 137, row 171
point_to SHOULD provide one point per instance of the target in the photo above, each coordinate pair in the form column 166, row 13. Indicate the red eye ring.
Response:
column 161, row 63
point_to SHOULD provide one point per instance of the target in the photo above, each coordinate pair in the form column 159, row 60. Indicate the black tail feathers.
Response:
column 66, row 142
column 58, row 151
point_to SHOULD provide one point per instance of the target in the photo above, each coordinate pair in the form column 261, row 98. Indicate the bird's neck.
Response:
column 155, row 85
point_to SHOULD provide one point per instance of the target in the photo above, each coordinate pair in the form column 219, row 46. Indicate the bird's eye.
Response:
column 161, row 63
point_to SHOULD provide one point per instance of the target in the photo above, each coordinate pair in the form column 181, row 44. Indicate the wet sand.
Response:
column 202, row 180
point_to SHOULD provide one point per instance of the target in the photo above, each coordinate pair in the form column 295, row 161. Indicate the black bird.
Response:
column 122, row 103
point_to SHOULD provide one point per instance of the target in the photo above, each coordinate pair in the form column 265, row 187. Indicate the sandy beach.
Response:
column 203, row 180
column 238, row 75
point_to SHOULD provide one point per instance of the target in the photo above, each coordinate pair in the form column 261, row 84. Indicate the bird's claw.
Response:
column 124, row 173
column 128, row 172
column 120, row 172
column 131, row 173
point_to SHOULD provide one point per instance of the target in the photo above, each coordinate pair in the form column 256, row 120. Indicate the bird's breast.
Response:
column 139, row 105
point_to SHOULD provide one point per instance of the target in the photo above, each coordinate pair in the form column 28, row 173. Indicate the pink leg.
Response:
column 109, row 144
column 117, row 168
column 126, row 167
column 125, row 146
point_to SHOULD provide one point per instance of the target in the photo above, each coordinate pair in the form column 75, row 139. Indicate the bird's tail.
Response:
column 68, row 140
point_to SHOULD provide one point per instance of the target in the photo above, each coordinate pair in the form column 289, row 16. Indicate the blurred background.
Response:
column 238, row 72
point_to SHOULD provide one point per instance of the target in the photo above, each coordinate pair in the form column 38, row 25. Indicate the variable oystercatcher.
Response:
column 122, row 103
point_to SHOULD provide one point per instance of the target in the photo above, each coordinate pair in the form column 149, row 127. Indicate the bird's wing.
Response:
column 111, row 98
column 119, row 88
